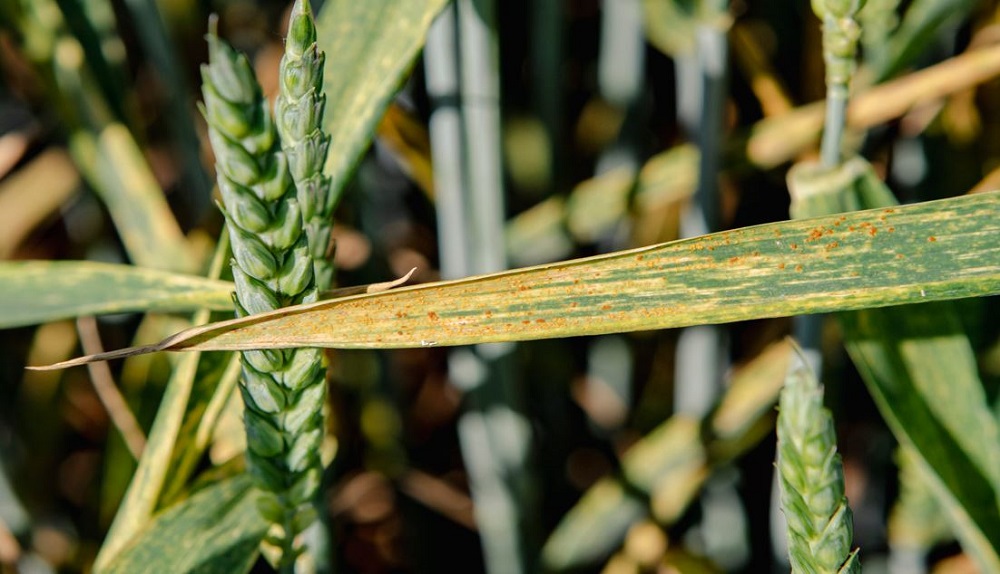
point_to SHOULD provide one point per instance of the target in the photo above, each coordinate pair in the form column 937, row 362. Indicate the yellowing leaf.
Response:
column 931, row 251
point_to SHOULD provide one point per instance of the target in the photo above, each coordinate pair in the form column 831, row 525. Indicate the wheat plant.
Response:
column 283, row 390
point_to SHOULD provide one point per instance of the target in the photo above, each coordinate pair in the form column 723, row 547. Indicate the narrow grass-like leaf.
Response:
column 39, row 291
column 104, row 149
column 922, row 372
column 923, row 19
column 370, row 47
column 113, row 164
column 22, row 208
column 917, row 365
column 145, row 490
column 217, row 530
column 931, row 251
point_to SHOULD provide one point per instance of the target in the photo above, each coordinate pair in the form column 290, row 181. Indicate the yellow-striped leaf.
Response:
column 932, row 251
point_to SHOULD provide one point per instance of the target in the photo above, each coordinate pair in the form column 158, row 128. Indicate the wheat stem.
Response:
column 840, row 45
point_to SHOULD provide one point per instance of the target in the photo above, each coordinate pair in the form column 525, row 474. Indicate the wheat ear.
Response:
column 298, row 113
column 811, row 477
column 283, row 390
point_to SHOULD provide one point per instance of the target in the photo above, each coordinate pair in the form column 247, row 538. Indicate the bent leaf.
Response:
column 932, row 251
column 216, row 530
column 369, row 47
column 39, row 291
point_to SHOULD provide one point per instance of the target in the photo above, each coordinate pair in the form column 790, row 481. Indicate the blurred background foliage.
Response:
column 612, row 116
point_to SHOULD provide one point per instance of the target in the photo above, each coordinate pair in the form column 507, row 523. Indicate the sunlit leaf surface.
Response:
column 925, row 252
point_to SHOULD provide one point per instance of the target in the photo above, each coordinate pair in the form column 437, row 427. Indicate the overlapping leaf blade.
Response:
column 38, row 291
column 217, row 530
column 921, row 370
column 932, row 251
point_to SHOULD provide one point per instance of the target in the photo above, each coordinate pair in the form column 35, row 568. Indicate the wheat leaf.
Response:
column 925, row 252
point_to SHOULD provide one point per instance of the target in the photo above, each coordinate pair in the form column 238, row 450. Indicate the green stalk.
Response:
column 283, row 390
column 298, row 115
column 811, row 477
column 840, row 44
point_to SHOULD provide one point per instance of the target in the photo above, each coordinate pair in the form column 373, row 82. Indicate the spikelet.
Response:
column 811, row 477
column 283, row 390
column 298, row 113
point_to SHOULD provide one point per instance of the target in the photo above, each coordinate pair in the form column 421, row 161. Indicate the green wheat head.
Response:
column 299, row 113
column 283, row 390
column 811, row 476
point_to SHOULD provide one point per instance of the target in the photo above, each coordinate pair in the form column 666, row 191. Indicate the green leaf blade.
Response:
column 39, row 291
column 217, row 530
column 370, row 47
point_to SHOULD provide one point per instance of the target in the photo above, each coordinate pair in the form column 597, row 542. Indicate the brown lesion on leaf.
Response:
column 932, row 239
column 432, row 316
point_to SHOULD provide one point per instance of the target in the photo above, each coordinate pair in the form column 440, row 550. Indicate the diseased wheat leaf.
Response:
column 925, row 252
column 921, row 371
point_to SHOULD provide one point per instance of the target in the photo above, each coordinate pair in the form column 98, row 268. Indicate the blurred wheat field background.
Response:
column 472, row 137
